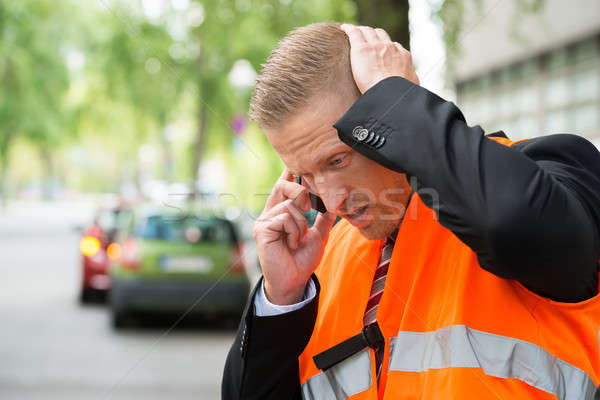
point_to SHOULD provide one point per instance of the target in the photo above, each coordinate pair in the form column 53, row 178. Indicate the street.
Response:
column 52, row 347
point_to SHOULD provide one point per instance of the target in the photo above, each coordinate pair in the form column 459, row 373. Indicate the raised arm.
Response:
column 531, row 212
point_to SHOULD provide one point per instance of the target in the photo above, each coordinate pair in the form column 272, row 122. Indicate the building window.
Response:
column 585, row 85
column 553, row 93
column 557, row 60
column 525, row 100
column 556, row 91
column 586, row 51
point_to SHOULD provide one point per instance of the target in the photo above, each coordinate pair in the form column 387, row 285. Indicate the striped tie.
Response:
column 377, row 291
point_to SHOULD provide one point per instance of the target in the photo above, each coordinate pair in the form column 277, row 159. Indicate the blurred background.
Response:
column 130, row 175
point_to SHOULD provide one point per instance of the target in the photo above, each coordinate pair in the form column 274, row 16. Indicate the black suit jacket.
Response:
column 530, row 212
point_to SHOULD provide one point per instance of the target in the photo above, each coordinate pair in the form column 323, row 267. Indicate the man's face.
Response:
column 368, row 195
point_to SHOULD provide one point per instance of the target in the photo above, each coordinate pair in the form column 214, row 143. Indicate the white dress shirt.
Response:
column 264, row 308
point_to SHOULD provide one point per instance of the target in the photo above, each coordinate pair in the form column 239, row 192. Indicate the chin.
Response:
column 378, row 230
column 375, row 231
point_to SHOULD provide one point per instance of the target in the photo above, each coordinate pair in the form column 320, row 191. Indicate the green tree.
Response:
column 33, row 77
column 139, row 74
column 230, row 31
column 131, row 58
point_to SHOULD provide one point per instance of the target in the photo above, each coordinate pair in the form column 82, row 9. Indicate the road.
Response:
column 51, row 347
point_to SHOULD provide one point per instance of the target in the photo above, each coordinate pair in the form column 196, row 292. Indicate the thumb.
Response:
column 323, row 224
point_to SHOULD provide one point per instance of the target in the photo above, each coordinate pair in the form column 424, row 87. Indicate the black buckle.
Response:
column 370, row 336
column 373, row 336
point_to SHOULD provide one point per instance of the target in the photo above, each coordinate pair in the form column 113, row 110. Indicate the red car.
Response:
column 97, row 249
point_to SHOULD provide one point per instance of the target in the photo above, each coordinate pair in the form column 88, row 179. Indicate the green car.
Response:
column 177, row 263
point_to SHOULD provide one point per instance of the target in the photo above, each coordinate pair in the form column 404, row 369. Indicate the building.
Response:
column 532, row 74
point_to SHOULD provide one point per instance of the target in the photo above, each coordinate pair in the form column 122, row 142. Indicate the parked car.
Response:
column 178, row 263
column 97, row 247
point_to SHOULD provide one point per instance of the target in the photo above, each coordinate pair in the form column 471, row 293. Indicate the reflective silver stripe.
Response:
column 351, row 376
column 496, row 355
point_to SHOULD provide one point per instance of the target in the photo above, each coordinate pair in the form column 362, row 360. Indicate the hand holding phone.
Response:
column 289, row 251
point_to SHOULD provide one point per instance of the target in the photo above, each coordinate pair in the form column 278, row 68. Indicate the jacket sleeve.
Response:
column 263, row 360
column 531, row 212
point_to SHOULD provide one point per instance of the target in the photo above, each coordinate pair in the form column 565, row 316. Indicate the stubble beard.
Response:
column 384, row 224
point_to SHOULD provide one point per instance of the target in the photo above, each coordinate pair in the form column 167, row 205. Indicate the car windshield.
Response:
column 190, row 229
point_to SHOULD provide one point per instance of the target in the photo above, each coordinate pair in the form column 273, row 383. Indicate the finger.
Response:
column 281, row 227
column 354, row 34
column 323, row 224
column 400, row 47
column 286, row 226
column 412, row 75
column 382, row 35
column 305, row 203
column 300, row 219
column 369, row 34
column 284, row 190
column 286, row 175
column 288, row 207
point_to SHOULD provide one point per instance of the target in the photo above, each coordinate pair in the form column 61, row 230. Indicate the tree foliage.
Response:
column 92, row 82
column 33, row 76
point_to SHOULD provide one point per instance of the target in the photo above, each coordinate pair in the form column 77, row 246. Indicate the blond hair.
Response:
column 310, row 60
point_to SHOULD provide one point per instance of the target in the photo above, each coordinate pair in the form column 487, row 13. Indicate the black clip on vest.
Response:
column 370, row 336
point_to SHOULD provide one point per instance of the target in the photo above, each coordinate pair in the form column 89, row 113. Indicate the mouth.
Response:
column 358, row 217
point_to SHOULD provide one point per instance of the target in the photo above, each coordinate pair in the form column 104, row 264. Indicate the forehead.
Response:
column 308, row 138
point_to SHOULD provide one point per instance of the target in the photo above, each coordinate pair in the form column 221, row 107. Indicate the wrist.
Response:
column 286, row 297
column 374, row 82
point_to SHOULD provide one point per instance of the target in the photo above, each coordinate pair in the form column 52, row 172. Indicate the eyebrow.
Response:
column 320, row 161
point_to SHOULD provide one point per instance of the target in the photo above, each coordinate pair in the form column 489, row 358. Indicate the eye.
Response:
column 339, row 161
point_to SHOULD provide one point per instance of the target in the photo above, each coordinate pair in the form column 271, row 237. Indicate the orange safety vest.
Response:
column 452, row 330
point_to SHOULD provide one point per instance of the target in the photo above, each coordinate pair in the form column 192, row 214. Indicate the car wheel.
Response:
column 119, row 319
column 85, row 296
column 119, row 314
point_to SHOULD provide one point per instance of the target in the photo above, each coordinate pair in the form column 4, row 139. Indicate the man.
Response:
column 464, row 266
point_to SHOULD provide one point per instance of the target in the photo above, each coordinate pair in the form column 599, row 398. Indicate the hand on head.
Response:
column 374, row 57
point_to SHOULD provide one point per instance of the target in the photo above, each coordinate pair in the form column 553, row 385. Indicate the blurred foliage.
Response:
column 88, row 84
column 33, row 76
column 458, row 17
column 112, row 91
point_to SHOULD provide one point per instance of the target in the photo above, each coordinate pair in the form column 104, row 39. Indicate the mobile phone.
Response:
column 315, row 201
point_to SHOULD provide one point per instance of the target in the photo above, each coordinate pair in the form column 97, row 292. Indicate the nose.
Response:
column 333, row 194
